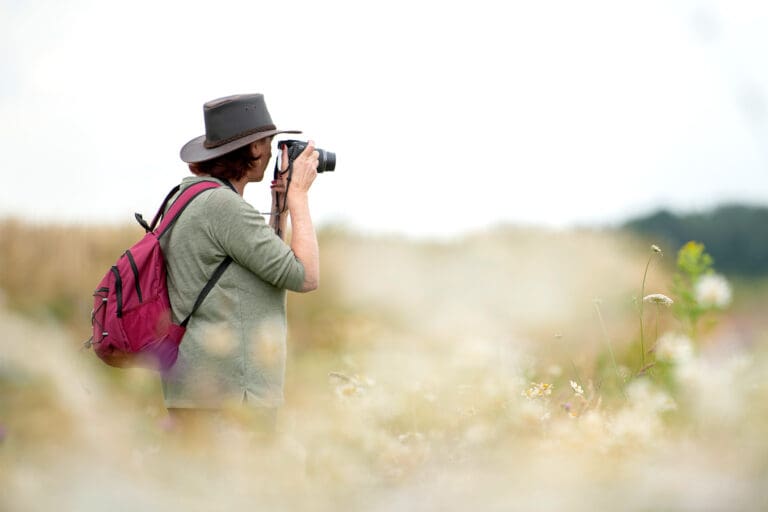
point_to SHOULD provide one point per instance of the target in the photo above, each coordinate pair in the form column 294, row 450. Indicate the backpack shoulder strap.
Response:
column 208, row 287
column 169, row 219
column 161, row 210
column 151, row 227
column 178, row 206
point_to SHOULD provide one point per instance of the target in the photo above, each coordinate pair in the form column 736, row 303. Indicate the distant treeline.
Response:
column 735, row 235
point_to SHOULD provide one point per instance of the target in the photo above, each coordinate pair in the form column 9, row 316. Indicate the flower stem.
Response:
column 610, row 349
column 642, row 295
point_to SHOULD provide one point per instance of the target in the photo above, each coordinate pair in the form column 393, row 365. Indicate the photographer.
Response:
column 231, row 360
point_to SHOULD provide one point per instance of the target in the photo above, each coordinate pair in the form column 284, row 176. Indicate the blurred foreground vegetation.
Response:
column 509, row 369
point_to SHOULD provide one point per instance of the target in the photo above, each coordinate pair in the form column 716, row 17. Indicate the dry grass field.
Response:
column 498, row 371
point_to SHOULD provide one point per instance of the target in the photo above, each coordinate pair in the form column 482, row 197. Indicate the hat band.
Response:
column 207, row 144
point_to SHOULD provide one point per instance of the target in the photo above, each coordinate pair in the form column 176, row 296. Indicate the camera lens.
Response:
column 327, row 161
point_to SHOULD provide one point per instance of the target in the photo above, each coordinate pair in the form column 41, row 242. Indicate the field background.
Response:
column 421, row 375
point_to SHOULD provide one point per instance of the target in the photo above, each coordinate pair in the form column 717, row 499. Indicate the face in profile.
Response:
column 261, row 150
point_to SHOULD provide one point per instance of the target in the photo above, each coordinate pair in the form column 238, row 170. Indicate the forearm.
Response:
column 304, row 239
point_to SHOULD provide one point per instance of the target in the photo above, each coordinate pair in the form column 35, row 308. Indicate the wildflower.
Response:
column 656, row 248
column 345, row 386
column 568, row 408
column 643, row 396
column 576, row 388
column 539, row 390
column 658, row 298
column 347, row 390
column 713, row 291
column 674, row 348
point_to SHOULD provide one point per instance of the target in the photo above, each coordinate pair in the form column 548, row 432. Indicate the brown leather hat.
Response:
column 230, row 123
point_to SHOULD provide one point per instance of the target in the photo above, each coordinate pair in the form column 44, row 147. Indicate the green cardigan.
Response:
column 234, row 349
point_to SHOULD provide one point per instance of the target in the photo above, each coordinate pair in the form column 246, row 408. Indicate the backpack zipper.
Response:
column 135, row 274
column 118, row 291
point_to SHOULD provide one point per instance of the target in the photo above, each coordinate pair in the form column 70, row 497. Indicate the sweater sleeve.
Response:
column 243, row 234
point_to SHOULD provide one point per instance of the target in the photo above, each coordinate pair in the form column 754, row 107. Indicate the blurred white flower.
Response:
column 219, row 340
column 348, row 390
column 576, row 388
column 537, row 390
column 717, row 389
column 658, row 298
column 347, row 387
column 674, row 348
column 533, row 412
column 713, row 290
column 645, row 397
column 656, row 248
column 411, row 438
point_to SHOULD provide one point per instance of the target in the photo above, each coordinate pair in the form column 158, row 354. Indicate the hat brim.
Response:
column 194, row 151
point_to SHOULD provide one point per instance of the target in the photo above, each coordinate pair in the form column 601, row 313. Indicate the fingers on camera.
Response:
column 309, row 148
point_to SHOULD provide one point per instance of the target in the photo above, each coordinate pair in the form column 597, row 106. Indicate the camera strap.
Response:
column 281, row 208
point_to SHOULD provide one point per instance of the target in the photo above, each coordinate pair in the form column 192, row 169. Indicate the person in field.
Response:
column 232, row 358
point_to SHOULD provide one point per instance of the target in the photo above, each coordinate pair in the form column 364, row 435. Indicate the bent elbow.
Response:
column 310, row 285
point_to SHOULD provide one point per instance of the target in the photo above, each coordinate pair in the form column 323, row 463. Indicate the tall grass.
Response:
column 469, row 374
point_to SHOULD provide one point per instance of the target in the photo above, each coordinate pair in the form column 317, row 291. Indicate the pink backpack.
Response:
column 131, row 316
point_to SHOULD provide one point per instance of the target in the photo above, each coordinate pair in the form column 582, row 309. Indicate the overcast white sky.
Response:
column 445, row 116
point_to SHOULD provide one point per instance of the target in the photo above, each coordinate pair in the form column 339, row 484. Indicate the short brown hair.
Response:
column 230, row 166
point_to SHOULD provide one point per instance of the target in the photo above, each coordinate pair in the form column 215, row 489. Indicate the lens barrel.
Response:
column 326, row 161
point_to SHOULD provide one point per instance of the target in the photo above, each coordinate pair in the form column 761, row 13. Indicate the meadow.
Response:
column 511, row 369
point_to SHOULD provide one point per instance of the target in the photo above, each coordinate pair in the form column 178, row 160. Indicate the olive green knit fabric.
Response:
column 234, row 348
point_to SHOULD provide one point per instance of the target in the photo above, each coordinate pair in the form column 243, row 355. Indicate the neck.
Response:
column 240, row 184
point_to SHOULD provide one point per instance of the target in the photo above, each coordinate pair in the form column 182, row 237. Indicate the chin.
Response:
column 256, row 175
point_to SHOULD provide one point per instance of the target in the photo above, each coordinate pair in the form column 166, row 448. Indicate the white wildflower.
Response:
column 576, row 388
column 347, row 390
column 347, row 387
column 713, row 290
column 537, row 390
column 674, row 348
column 656, row 248
column 658, row 298
column 643, row 395
column 411, row 438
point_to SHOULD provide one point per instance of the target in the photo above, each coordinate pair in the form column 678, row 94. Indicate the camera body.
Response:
column 326, row 161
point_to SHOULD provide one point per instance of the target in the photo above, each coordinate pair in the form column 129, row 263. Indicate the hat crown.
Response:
column 231, row 122
column 233, row 117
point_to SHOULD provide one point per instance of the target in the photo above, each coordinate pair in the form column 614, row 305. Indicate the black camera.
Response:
column 326, row 161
